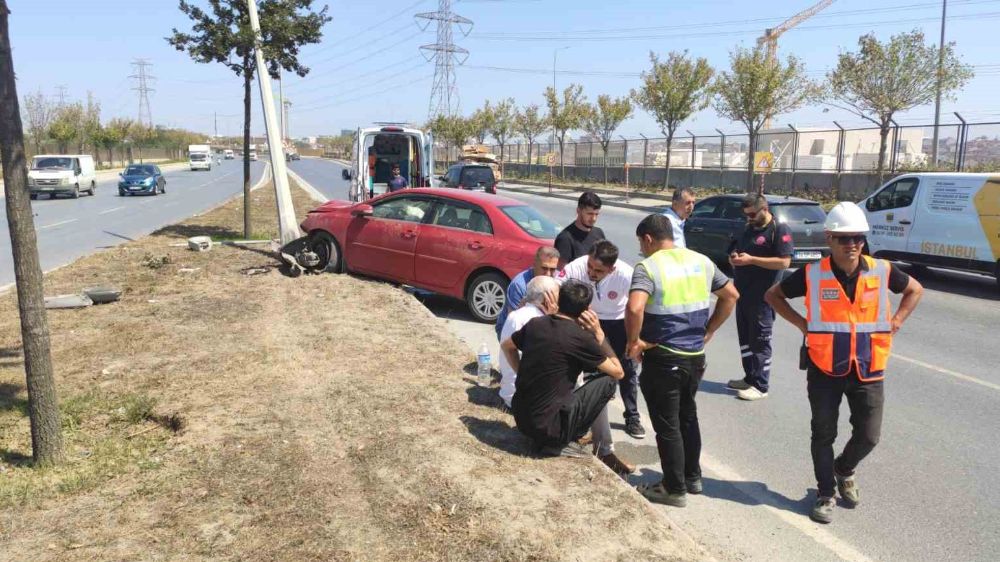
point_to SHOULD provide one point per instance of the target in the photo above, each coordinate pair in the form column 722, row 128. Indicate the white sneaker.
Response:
column 738, row 384
column 751, row 394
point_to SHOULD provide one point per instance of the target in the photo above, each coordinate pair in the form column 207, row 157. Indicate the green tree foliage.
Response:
column 754, row 90
column 882, row 79
column 602, row 120
column 481, row 121
column 529, row 123
column 672, row 91
column 38, row 113
column 502, row 125
column 223, row 35
column 565, row 114
column 66, row 126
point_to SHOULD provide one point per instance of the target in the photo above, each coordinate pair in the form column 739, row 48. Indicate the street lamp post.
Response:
column 940, row 70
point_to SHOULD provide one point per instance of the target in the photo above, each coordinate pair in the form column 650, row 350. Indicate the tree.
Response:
column 603, row 119
column 882, row 79
column 502, row 126
column 115, row 133
column 66, row 126
column 224, row 36
column 481, row 122
column 43, row 405
column 672, row 91
column 90, row 126
column 38, row 114
column 530, row 123
column 755, row 89
column 565, row 115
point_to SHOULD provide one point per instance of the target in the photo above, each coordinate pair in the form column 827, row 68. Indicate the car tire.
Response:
column 93, row 188
column 121, row 193
column 76, row 192
column 996, row 274
column 326, row 247
column 33, row 196
column 163, row 188
column 486, row 295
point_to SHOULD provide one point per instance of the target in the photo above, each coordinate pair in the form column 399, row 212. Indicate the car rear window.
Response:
column 531, row 221
column 473, row 176
column 805, row 213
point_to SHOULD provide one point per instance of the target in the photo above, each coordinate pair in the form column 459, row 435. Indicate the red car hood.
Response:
column 332, row 205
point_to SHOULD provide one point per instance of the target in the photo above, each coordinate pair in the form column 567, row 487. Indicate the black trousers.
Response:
column 754, row 325
column 669, row 383
column 588, row 400
column 865, row 401
column 614, row 331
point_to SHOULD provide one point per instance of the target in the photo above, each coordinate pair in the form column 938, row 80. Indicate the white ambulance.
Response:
column 377, row 149
column 947, row 220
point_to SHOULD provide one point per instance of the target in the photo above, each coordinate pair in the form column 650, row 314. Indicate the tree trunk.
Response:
column 750, row 149
column 530, row 144
column 246, row 148
column 666, row 165
column 883, row 145
column 111, row 158
column 605, row 148
column 43, row 407
column 562, row 167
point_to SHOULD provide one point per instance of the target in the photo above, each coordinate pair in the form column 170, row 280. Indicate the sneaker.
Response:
column 657, row 493
column 634, row 428
column 822, row 511
column 848, row 488
column 693, row 486
column 616, row 464
column 587, row 439
column 751, row 394
column 571, row 450
column 738, row 384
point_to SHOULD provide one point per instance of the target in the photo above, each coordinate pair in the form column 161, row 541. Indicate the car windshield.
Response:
column 139, row 171
column 53, row 164
column 799, row 214
column 531, row 221
column 473, row 176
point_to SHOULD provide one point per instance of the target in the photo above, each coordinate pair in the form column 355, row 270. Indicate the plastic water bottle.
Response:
column 484, row 368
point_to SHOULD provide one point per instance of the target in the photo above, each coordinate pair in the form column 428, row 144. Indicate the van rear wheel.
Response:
column 93, row 188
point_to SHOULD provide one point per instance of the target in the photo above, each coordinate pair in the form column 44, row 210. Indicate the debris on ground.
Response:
column 200, row 243
column 155, row 262
column 68, row 301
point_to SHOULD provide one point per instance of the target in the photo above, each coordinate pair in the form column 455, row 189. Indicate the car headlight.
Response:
column 64, row 181
column 147, row 181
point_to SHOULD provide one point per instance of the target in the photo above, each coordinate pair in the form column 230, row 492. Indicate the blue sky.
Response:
column 369, row 68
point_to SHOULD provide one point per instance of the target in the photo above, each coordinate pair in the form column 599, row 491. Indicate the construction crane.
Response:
column 770, row 37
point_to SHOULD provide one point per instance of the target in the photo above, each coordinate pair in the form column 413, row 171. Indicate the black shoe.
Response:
column 572, row 450
column 693, row 486
column 634, row 428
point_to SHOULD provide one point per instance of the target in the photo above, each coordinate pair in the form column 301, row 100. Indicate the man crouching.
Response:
column 554, row 350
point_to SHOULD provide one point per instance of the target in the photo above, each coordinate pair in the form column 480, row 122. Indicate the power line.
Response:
column 369, row 95
column 355, row 61
column 404, row 11
column 339, row 81
column 142, row 86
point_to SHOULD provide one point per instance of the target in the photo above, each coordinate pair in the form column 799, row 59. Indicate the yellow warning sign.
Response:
column 763, row 162
column 550, row 159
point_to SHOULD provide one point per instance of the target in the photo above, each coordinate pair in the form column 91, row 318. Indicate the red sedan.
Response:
column 463, row 244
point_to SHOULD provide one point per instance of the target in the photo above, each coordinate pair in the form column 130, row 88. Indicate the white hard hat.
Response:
column 846, row 217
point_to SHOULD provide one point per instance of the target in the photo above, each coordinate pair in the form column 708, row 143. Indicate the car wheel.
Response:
column 93, row 188
column 76, row 192
column 486, row 296
column 996, row 274
column 325, row 246
column 121, row 193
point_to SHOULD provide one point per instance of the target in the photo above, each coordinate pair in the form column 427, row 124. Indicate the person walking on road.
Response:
column 849, row 326
column 610, row 279
column 546, row 263
column 540, row 298
column 758, row 257
column 576, row 239
column 668, row 324
column 681, row 205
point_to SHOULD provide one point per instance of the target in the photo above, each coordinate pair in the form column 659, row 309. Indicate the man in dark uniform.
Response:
column 579, row 237
column 758, row 256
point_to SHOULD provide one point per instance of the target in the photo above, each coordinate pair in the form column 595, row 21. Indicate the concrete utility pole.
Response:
column 940, row 72
column 288, row 227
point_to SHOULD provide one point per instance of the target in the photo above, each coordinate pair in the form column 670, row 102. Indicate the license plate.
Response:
column 808, row 255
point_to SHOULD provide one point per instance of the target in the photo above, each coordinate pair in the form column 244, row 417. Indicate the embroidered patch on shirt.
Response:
column 612, row 294
column 830, row 294
column 760, row 241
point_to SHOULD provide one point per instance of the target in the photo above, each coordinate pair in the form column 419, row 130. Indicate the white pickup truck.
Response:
column 377, row 149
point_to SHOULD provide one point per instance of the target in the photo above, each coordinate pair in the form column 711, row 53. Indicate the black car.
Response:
column 475, row 177
column 718, row 221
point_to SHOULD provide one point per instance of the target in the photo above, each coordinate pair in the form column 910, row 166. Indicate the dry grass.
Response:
column 324, row 418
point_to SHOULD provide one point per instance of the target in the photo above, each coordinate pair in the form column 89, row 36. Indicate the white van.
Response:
column 200, row 157
column 68, row 174
column 253, row 154
column 377, row 149
column 228, row 153
column 947, row 220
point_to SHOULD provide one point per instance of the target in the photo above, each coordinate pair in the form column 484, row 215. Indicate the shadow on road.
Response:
column 957, row 283
column 713, row 387
column 745, row 493
column 499, row 435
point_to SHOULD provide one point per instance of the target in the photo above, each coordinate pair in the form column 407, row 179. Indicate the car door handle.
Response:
column 475, row 246
column 904, row 221
column 409, row 234
column 697, row 229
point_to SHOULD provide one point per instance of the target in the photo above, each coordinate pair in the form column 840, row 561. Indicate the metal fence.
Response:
column 805, row 159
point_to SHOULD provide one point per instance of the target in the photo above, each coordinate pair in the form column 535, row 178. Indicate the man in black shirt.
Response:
column 554, row 350
column 761, row 252
column 848, row 332
column 576, row 239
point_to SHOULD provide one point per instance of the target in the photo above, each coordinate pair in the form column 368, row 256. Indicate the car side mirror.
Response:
column 362, row 211
column 346, row 174
column 121, row 174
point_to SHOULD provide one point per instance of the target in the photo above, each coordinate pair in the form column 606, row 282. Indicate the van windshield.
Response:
column 198, row 157
column 52, row 164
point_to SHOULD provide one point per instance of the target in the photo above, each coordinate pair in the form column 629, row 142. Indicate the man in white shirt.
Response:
column 540, row 298
column 611, row 280
column 681, row 206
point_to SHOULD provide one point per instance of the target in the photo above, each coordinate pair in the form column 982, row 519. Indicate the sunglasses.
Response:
column 750, row 214
column 850, row 239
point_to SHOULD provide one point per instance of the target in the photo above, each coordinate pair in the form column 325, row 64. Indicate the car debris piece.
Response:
column 68, row 301
column 200, row 243
column 188, row 269
column 102, row 295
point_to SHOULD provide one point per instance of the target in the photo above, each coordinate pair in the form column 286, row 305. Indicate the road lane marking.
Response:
column 60, row 223
column 110, row 210
column 948, row 372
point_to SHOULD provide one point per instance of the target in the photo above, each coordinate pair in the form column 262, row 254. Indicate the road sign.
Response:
column 763, row 162
column 550, row 159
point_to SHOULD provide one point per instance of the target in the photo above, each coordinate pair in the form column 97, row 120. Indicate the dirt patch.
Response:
column 321, row 418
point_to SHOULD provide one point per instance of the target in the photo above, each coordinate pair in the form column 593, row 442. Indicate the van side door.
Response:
column 428, row 163
column 891, row 213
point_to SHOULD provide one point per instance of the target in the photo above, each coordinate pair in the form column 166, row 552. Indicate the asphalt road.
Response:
column 928, row 492
column 71, row 228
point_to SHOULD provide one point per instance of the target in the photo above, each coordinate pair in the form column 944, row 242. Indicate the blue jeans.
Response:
column 614, row 331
